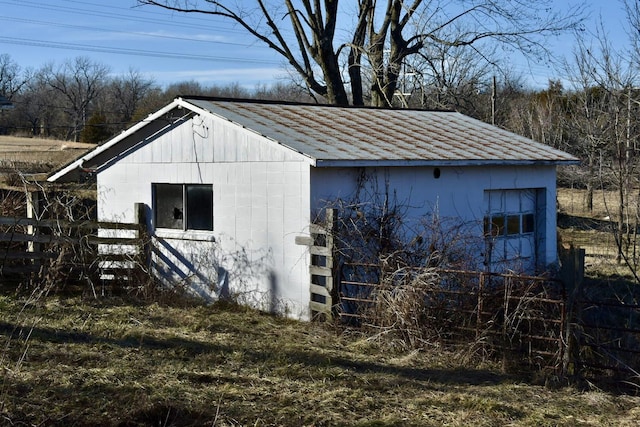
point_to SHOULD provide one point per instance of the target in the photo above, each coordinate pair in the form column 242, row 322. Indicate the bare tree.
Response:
column 336, row 63
column 448, row 77
column 187, row 87
column 79, row 81
column 603, row 119
column 282, row 92
column 127, row 92
column 632, row 9
column 36, row 106
column 11, row 77
column 11, row 81
column 541, row 115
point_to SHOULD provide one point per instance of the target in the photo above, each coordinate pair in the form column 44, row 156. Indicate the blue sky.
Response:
column 170, row 47
column 165, row 46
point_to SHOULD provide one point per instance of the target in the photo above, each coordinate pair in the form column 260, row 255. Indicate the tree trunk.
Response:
column 589, row 196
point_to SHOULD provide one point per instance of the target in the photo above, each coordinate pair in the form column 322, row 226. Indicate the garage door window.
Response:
column 505, row 225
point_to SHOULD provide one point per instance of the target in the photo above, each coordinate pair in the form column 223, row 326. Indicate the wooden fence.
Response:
column 606, row 332
column 574, row 329
column 70, row 253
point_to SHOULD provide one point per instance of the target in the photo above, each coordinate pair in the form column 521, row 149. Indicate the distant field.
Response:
column 572, row 201
column 35, row 155
column 592, row 230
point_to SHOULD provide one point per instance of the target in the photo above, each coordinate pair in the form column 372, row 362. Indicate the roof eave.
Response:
column 77, row 164
column 440, row 163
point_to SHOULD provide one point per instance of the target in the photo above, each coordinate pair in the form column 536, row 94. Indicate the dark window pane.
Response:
column 528, row 223
column 513, row 224
column 168, row 206
column 497, row 226
column 199, row 207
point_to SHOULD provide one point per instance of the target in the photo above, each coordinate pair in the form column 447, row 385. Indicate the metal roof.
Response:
column 341, row 136
column 332, row 135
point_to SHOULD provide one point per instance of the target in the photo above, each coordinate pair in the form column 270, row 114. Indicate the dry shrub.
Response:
column 402, row 313
column 390, row 254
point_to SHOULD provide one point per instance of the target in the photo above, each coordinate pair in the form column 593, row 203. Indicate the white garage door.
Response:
column 510, row 230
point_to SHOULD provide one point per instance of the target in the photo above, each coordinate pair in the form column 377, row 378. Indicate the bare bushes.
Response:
column 65, row 249
column 402, row 313
column 375, row 227
column 391, row 255
column 411, row 279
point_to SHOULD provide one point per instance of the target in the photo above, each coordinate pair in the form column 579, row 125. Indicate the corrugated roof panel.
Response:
column 328, row 133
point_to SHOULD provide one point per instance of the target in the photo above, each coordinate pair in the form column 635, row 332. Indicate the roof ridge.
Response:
column 302, row 104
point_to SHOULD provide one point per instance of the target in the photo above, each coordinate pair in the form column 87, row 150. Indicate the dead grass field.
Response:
column 592, row 231
column 69, row 361
column 38, row 155
column 573, row 202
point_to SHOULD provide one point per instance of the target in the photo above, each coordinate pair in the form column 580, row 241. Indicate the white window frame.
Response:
column 181, row 211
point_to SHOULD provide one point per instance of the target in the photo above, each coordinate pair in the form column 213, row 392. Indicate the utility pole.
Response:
column 493, row 101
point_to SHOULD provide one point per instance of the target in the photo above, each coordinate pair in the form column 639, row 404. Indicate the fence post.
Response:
column 33, row 212
column 140, row 212
column 321, row 248
column 505, row 342
column 572, row 276
column 480, row 305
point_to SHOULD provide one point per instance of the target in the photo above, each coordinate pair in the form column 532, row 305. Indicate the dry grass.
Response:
column 572, row 201
column 112, row 362
column 35, row 155
column 16, row 144
column 592, row 230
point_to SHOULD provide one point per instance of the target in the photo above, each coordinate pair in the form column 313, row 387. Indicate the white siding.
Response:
column 458, row 193
column 261, row 203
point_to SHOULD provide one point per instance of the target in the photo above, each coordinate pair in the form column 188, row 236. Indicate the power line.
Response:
column 126, row 19
column 125, row 51
column 203, row 22
column 119, row 16
column 81, row 27
column 142, row 10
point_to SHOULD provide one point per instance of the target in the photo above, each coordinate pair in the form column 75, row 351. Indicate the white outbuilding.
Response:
column 230, row 187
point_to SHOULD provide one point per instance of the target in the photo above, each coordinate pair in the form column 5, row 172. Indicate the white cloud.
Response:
column 247, row 77
column 207, row 37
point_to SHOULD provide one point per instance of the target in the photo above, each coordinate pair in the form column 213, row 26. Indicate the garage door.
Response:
column 510, row 228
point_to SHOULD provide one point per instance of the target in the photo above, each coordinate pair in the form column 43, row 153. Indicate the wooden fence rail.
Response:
column 607, row 332
column 583, row 333
column 321, row 267
column 33, row 250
